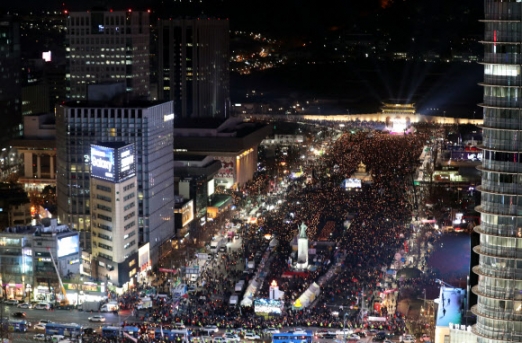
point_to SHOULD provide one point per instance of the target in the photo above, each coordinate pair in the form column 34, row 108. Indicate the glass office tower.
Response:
column 499, row 288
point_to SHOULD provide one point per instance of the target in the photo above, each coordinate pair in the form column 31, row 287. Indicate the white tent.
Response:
column 308, row 296
column 249, row 294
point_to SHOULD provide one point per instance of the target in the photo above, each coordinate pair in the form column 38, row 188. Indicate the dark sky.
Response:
column 300, row 17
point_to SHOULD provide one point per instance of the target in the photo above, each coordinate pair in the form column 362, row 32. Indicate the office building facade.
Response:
column 149, row 127
column 499, row 296
column 193, row 66
column 114, row 202
column 107, row 46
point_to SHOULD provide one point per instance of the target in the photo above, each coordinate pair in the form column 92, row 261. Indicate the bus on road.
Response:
column 293, row 337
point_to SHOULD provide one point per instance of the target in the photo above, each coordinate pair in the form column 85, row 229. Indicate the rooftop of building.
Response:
column 46, row 227
column 131, row 103
column 227, row 126
column 189, row 158
column 113, row 145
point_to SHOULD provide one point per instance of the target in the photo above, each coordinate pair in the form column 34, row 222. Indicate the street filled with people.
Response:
column 354, row 232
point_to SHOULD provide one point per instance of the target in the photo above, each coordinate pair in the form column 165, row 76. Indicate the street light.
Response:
column 344, row 326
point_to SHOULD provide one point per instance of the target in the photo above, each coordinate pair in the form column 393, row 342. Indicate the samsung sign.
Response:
column 113, row 162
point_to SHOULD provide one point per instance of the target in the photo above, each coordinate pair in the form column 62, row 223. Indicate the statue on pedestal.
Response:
column 302, row 247
column 302, row 230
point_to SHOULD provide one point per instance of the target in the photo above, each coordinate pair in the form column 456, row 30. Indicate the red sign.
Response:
column 164, row 270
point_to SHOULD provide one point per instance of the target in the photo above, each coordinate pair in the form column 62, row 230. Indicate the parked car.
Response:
column 11, row 302
column 42, row 306
column 231, row 337
column 211, row 328
column 407, row 339
column 251, row 336
column 24, row 305
column 97, row 319
column 345, row 331
column 39, row 327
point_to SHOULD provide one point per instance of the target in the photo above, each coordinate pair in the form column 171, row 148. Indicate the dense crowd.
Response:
column 379, row 216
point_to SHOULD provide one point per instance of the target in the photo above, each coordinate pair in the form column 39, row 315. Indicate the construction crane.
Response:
column 64, row 300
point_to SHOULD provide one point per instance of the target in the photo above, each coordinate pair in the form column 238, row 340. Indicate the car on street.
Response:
column 219, row 340
column 353, row 336
column 41, row 307
column 24, row 305
column 11, row 302
column 18, row 314
column 271, row 331
column 97, row 319
column 251, row 336
column 44, row 321
column 57, row 338
column 361, row 334
column 39, row 337
column 407, row 339
column 39, row 327
column 211, row 328
column 231, row 337
column 298, row 330
column 345, row 331
column 179, row 326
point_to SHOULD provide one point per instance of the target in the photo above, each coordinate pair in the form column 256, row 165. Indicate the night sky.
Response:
column 301, row 17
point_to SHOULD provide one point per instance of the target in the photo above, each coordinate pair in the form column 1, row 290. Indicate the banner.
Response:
column 165, row 270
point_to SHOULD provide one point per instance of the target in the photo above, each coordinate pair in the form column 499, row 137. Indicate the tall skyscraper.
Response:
column 10, row 80
column 108, row 46
column 114, row 202
column 147, row 125
column 499, row 288
column 193, row 66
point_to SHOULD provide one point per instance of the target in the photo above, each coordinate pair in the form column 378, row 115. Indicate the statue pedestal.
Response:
column 302, row 253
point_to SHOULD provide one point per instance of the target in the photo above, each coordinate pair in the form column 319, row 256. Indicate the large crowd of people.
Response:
column 379, row 215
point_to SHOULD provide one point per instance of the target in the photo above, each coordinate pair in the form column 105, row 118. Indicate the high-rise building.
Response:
column 108, row 46
column 499, row 288
column 193, row 66
column 114, row 202
column 10, row 79
column 147, row 125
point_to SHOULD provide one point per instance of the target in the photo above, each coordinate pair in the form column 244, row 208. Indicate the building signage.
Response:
column 113, row 164
column 86, row 287
column 165, row 270
column 102, row 162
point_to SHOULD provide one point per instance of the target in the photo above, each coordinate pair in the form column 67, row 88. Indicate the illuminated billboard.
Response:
column 268, row 306
column 352, row 183
column 113, row 162
column 68, row 245
column 126, row 162
column 102, row 162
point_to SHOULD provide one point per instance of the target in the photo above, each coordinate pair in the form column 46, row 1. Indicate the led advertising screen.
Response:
column 352, row 183
column 268, row 306
column 114, row 162
column 126, row 162
column 102, row 162
column 68, row 246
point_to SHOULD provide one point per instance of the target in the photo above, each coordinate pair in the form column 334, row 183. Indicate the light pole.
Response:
column 344, row 326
